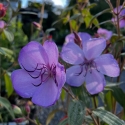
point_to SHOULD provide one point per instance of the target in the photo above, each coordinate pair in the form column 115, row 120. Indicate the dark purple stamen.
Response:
column 88, row 67
column 44, row 69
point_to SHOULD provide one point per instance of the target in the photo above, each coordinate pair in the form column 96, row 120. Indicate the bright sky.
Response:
column 56, row 2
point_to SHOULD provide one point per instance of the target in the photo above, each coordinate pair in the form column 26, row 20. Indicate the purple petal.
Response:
column 94, row 47
column 60, row 77
column 71, row 53
column 23, row 83
column 73, row 76
column 2, row 24
column 95, row 82
column 52, row 51
column 107, row 65
column 46, row 94
column 84, row 37
column 31, row 55
column 104, row 33
column 122, row 23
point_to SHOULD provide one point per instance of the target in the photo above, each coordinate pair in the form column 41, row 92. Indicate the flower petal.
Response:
column 73, row 76
column 95, row 82
column 94, row 47
column 84, row 37
column 107, row 65
column 31, row 55
column 60, row 77
column 52, row 51
column 122, row 23
column 71, row 53
column 23, row 83
column 46, row 94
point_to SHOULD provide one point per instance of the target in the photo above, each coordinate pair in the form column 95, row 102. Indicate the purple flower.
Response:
column 42, row 76
column 89, row 65
column 104, row 33
column 121, row 12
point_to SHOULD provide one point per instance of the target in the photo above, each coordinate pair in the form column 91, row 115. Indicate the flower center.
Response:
column 87, row 65
column 44, row 72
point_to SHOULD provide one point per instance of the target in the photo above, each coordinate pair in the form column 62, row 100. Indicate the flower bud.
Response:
column 19, row 120
column 2, row 10
column 27, row 108
column 37, row 25
column 77, row 39
column 17, row 110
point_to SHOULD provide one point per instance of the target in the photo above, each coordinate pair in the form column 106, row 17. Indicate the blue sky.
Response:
column 56, row 2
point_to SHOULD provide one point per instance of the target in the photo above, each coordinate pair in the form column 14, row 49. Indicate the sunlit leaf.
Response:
column 63, row 95
column 75, row 16
column 51, row 116
column 9, row 35
column 8, row 84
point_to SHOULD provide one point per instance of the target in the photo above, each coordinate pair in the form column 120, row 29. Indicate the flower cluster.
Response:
column 42, row 76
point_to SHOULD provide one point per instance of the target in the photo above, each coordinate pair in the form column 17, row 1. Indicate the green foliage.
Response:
column 5, row 103
column 8, row 84
column 108, row 117
column 9, row 35
column 76, row 113
column 64, row 122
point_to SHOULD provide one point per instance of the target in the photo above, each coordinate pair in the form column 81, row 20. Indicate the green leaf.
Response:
column 8, row 84
column 9, row 35
column 119, row 95
column 100, row 13
column 91, row 5
column 2, row 51
column 57, row 21
column 64, row 122
column 63, row 95
column 108, row 100
column 75, row 16
column 51, row 116
column 69, row 8
column 82, row 94
column 108, row 117
column 76, row 113
column 8, row 53
column 5, row 103
column 74, row 25
column 49, row 30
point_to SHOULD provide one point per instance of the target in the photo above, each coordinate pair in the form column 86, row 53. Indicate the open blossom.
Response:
column 104, row 33
column 121, row 12
column 89, row 65
column 42, row 76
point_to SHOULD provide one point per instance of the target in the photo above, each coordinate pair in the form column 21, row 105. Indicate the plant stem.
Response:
column 69, row 92
column 88, row 110
column 90, row 113
column 95, row 105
